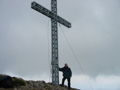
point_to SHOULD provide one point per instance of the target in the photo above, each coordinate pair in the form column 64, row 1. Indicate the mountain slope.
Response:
column 14, row 83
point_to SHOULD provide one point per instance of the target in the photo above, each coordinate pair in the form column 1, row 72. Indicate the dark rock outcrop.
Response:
column 10, row 82
column 6, row 81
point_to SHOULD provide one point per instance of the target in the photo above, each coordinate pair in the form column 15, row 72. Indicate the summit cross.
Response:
column 54, row 34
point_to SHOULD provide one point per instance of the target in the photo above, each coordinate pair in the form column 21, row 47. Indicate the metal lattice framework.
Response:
column 55, row 65
column 54, row 34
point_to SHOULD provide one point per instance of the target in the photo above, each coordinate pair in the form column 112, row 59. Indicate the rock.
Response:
column 10, row 82
column 6, row 81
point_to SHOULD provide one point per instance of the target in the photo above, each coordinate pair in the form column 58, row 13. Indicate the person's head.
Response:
column 66, row 65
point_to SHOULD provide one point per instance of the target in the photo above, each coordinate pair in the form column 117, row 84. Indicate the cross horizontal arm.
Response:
column 50, row 14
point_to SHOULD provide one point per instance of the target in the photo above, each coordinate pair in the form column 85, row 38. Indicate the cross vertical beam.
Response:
column 54, row 32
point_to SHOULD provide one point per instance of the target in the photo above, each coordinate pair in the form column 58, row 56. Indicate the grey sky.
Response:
column 94, row 37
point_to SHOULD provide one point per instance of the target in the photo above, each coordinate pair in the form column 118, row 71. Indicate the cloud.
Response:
column 101, row 82
column 92, row 46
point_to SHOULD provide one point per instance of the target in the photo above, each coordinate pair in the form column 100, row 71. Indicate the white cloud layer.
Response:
column 101, row 82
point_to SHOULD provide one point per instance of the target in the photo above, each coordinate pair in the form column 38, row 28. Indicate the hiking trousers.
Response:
column 69, row 81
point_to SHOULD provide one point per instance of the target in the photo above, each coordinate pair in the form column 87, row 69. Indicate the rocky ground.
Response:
column 14, row 83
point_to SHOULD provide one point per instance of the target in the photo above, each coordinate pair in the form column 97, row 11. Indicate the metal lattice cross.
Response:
column 54, row 31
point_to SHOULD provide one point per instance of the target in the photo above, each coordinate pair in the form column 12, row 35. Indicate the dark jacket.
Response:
column 67, row 73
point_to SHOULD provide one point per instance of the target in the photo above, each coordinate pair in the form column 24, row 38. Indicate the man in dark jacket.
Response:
column 67, row 74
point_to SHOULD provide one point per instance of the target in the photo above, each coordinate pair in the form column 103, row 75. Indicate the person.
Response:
column 67, row 74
